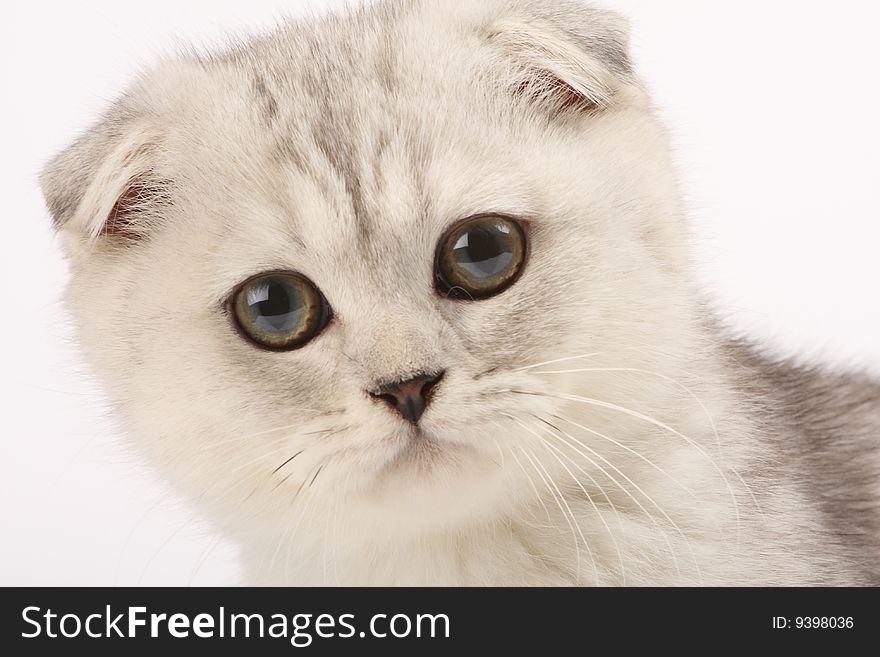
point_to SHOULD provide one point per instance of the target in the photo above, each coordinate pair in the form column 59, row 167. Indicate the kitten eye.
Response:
column 480, row 257
column 279, row 311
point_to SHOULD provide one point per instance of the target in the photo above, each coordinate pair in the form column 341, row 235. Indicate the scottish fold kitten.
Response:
column 403, row 297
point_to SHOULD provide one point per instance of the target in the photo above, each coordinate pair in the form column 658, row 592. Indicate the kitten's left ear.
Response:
column 564, row 56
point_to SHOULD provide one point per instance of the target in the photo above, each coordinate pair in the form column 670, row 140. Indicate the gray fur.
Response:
column 266, row 98
column 824, row 428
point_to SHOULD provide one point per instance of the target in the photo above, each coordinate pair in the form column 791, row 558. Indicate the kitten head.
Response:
column 323, row 270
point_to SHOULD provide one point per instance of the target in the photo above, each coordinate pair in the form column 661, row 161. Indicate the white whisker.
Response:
column 644, row 371
column 631, row 496
column 538, row 496
column 588, row 496
column 569, row 516
column 660, row 425
column 638, row 455
column 555, row 360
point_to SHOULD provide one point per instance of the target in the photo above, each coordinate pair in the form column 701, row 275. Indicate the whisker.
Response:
column 661, row 425
column 338, row 501
column 263, row 457
column 320, row 431
column 288, row 461
column 291, row 529
column 631, row 496
column 570, row 518
column 643, row 371
column 635, row 453
column 282, row 482
column 155, row 505
column 587, row 495
column 203, row 559
column 570, row 524
column 301, row 485
column 497, row 444
column 321, row 467
column 555, row 360
column 165, row 543
column 538, row 496
column 284, row 427
column 500, row 453
column 237, row 438
column 631, row 451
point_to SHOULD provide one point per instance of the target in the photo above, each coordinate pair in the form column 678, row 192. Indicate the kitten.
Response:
column 403, row 297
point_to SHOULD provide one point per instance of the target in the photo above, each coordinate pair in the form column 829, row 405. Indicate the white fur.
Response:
column 641, row 479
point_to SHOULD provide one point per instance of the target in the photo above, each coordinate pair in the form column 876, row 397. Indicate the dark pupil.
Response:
column 484, row 252
column 276, row 309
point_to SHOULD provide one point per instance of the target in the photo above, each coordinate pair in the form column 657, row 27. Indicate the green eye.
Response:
column 279, row 311
column 480, row 257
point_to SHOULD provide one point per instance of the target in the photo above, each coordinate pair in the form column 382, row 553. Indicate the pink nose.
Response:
column 409, row 398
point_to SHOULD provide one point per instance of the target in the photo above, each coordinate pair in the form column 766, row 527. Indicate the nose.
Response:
column 410, row 397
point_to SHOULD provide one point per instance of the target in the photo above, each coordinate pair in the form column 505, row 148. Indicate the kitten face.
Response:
column 344, row 151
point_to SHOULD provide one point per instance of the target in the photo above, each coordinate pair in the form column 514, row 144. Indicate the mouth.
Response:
column 420, row 442
column 419, row 449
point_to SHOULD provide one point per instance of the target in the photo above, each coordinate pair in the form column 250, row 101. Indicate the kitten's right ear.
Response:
column 107, row 186
column 103, row 186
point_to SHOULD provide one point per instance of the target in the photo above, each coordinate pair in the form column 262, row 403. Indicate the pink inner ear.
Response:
column 556, row 93
column 122, row 221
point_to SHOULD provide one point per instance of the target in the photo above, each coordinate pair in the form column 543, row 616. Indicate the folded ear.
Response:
column 107, row 185
column 104, row 185
column 563, row 56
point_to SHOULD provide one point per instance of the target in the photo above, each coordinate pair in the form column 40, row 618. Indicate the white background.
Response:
column 774, row 110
